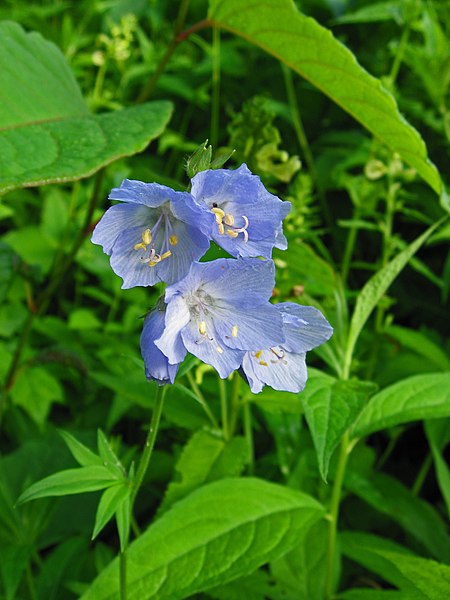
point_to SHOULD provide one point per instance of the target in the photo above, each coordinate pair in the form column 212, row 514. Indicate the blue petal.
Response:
column 157, row 366
column 287, row 374
column 170, row 342
column 210, row 350
column 304, row 326
column 118, row 218
column 186, row 208
column 138, row 192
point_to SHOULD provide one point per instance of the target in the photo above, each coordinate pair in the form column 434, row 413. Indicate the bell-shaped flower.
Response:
column 248, row 218
column 157, row 367
column 219, row 311
column 283, row 366
column 154, row 234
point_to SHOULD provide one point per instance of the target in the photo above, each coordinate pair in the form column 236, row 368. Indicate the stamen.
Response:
column 219, row 350
column 258, row 354
column 140, row 246
column 202, row 327
column 221, row 228
column 263, row 363
column 229, row 219
column 165, row 255
column 147, row 237
column 173, row 240
column 231, row 233
column 219, row 214
column 234, row 331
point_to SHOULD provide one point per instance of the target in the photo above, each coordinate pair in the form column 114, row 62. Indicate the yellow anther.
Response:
column 202, row 327
column 221, row 228
column 263, row 363
column 219, row 214
column 258, row 354
column 140, row 246
column 232, row 234
column 219, row 350
column 147, row 237
column 165, row 255
column 154, row 262
column 234, row 331
column 173, row 240
column 229, row 219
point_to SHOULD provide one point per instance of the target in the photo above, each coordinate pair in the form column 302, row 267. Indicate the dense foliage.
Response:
column 114, row 487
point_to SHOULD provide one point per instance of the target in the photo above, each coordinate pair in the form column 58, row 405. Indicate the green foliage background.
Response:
column 342, row 491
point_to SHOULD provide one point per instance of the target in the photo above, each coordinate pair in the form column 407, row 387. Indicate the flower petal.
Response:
column 115, row 220
column 287, row 374
column 157, row 365
column 310, row 329
column 170, row 342
column 138, row 192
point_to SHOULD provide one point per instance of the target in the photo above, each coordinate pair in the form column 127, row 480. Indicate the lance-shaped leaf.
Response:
column 220, row 532
column 47, row 133
column 301, row 43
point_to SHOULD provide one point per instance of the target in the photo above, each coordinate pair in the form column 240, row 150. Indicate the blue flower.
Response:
column 154, row 235
column 157, row 367
column 219, row 311
column 283, row 366
column 248, row 218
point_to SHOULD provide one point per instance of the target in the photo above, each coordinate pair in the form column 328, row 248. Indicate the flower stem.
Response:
column 236, row 385
column 140, row 474
column 248, row 431
column 224, row 408
column 202, row 400
column 334, row 514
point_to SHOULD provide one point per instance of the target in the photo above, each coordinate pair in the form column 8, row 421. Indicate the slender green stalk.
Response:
column 234, row 402
column 400, row 54
column 140, row 475
column 30, row 582
column 215, row 93
column 421, row 476
column 202, row 400
column 348, row 251
column 224, row 408
column 334, row 514
column 248, row 432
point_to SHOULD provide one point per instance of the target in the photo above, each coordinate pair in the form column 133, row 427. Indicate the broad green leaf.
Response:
column 205, row 458
column 110, row 460
column 438, row 434
column 387, row 495
column 331, row 407
column 110, row 502
column 70, row 481
column 229, row 528
column 47, row 133
column 81, row 453
column 301, row 43
column 419, row 397
column 302, row 570
column 377, row 285
column 419, row 343
column 256, row 586
column 420, row 577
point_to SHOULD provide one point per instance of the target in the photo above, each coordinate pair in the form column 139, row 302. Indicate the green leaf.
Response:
column 438, row 434
column 123, row 519
column 301, row 43
column 35, row 390
column 110, row 502
column 387, row 495
column 205, row 458
column 419, row 343
column 419, row 397
column 110, row 460
column 422, row 578
column 81, row 453
column 47, row 134
column 377, row 285
column 229, row 528
column 70, row 481
column 371, row 594
column 331, row 407
column 12, row 567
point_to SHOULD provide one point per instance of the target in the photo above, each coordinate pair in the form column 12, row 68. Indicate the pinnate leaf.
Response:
column 81, row 453
column 229, row 528
column 300, row 42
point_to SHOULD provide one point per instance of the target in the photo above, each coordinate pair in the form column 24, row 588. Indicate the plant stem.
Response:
column 202, row 400
column 224, row 408
column 334, row 514
column 421, row 476
column 140, row 474
column 399, row 55
column 248, row 430
column 348, row 251
column 215, row 92
column 234, row 402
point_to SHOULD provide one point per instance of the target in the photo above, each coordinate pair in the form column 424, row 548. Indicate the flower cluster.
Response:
column 219, row 311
